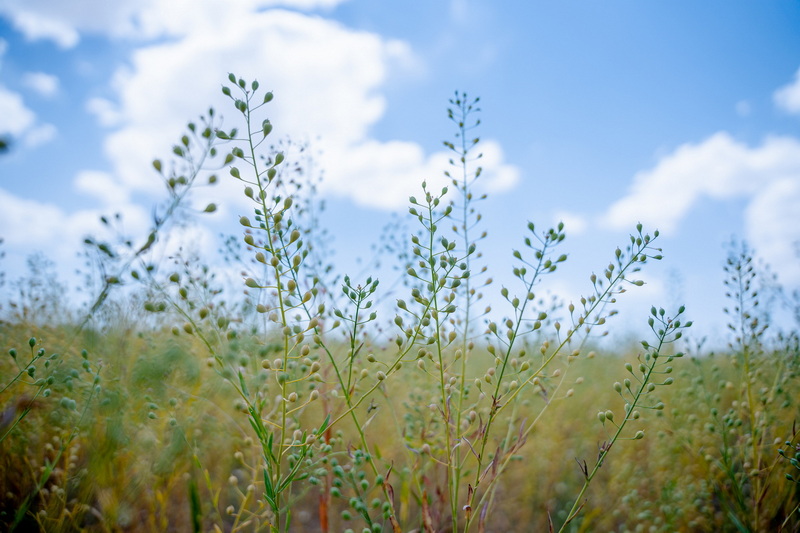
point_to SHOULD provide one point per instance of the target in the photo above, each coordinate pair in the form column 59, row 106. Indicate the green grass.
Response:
column 310, row 404
column 673, row 479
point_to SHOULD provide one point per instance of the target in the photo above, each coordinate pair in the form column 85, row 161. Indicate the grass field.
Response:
column 168, row 404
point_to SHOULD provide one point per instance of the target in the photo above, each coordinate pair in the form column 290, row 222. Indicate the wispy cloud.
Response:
column 787, row 98
column 574, row 223
column 42, row 83
column 40, row 134
column 101, row 186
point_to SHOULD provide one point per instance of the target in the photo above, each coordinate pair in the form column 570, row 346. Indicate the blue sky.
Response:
column 682, row 115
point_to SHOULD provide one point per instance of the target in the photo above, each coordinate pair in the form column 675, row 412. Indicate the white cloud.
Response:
column 63, row 22
column 15, row 117
column 574, row 224
column 301, row 4
column 35, row 26
column 40, row 82
column 634, row 304
column 106, row 112
column 787, row 97
column 382, row 174
column 40, row 134
column 324, row 77
column 721, row 168
column 19, row 121
column 636, row 301
column 326, row 80
column 497, row 176
column 29, row 225
column 101, row 186
column 28, row 222
column 187, row 240
column 773, row 227
column 718, row 167
column 385, row 174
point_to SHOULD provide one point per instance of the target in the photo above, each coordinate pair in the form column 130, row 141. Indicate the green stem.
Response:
column 643, row 386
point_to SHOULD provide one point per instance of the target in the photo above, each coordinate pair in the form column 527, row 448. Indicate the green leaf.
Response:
column 271, row 457
column 195, row 506
column 269, row 491
column 255, row 427
column 245, row 392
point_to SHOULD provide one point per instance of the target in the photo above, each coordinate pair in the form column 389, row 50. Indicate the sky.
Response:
column 682, row 115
